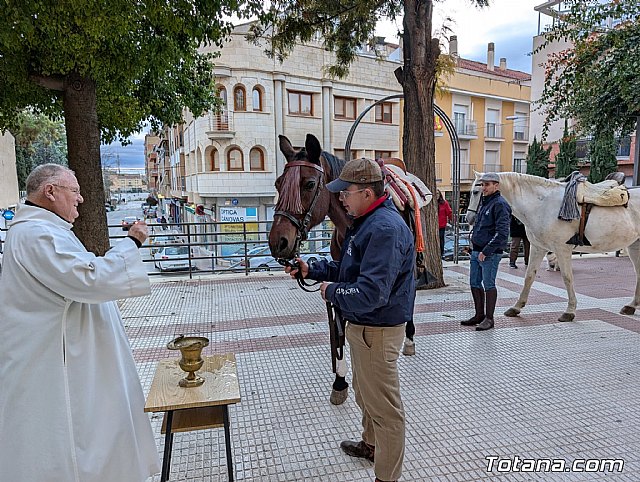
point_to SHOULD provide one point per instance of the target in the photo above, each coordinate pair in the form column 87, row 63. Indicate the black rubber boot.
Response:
column 478, row 301
column 487, row 323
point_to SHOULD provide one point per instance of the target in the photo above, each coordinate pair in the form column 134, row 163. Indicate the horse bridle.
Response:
column 302, row 227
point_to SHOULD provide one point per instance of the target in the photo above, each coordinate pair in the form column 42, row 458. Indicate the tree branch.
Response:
column 54, row 82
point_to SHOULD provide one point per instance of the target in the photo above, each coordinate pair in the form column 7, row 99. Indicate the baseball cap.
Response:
column 490, row 177
column 357, row 171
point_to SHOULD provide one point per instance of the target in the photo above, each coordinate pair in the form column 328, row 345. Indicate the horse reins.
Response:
column 302, row 228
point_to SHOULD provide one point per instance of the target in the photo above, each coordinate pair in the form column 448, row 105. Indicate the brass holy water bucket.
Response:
column 191, row 361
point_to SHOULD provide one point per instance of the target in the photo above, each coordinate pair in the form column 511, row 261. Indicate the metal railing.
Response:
column 520, row 135
column 467, row 129
column 221, row 122
column 467, row 172
column 218, row 248
column 492, row 168
column 492, row 130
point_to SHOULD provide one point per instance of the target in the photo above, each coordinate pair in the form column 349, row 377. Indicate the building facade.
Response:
column 489, row 106
column 225, row 164
column 550, row 13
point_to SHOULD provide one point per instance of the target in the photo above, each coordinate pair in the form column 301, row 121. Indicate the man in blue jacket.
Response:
column 373, row 285
column 489, row 240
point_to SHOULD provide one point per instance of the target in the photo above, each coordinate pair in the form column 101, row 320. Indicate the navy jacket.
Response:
column 491, row 229
column 374, row 281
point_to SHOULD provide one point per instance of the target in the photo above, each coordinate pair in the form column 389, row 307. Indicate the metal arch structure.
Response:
column 455, row 147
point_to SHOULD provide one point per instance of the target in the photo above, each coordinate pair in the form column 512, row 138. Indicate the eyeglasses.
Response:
column 75, row 190
column 346, row 194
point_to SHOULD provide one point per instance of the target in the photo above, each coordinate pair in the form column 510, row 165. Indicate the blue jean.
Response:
column 483, row 273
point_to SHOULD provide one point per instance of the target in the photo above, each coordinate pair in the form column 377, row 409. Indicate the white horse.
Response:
column 536, row 202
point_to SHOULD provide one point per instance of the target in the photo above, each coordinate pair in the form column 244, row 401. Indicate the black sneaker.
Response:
column 513, row 266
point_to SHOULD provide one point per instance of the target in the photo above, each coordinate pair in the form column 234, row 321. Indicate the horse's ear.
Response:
column 286, row 148
column 312, row 145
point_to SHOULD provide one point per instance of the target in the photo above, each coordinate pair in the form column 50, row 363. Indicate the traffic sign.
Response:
column 8, row 214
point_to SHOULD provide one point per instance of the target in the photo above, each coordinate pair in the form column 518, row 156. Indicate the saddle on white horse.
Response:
column 605, row 193
column 580, row 192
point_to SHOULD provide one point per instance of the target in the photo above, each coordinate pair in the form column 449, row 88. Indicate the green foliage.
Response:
column 39, row 140
column 344, row 27
column 566, row 160
column 602, row 153
column 597, row 80
column 142, row 56
column 538, row 159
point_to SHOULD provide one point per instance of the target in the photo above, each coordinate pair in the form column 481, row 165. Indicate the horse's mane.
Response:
column 335, row 163
column 289, row 197
column 517, row 178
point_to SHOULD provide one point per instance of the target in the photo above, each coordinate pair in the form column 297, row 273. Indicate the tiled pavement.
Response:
column 531, row 388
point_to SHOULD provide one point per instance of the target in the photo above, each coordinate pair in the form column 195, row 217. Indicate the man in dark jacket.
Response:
column 489, row 240
column 373, row 285
column 518, row 233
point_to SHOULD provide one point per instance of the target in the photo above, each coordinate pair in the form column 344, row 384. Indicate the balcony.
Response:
column 467, row 172
column 466, row 130
column 520, row 165
column 492, row 168
column 520, row 136
column 221, row 125
column 492, row 131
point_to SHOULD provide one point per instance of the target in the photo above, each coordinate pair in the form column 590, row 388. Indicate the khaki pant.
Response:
column 374, row 355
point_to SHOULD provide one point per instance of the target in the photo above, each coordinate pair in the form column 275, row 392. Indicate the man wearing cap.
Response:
column 489, row 240
column 373, row 285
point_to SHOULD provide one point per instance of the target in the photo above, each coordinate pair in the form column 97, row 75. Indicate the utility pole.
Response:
column 119, row 178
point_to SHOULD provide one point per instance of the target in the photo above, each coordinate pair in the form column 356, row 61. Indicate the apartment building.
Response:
column 550, row 13
column 125, row 182
column 225, row 164
column 489, row 106
column 151, row 160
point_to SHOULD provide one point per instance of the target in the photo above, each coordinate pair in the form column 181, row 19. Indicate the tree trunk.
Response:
column 418, row 79
column 83, row 143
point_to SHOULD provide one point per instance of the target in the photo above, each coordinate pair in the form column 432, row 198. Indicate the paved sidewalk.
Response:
column 530, row 388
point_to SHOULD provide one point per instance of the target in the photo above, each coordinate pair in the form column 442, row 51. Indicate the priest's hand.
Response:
column 139, row 231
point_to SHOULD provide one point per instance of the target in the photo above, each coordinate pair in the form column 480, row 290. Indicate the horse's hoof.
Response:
column 338, row 397
column 627, row 310
column 409, row 348
column 567, row 317
column 512, row 312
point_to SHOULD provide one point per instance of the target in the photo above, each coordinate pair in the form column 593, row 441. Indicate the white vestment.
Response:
column 71, row 404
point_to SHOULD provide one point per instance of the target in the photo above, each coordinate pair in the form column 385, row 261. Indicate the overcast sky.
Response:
column 510, row 24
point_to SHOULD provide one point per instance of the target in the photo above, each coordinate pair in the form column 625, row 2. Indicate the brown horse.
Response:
column 304, row 203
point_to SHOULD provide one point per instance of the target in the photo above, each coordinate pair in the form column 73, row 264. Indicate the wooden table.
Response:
column 196, row 408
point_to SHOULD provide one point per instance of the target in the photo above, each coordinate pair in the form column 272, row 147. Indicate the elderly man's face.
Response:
column 489, row 187
column 66, row 191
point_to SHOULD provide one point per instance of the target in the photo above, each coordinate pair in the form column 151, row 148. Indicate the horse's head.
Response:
column 474, row 199
column 302, row 200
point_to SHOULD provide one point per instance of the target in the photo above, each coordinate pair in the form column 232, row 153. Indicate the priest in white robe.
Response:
column 71, row 404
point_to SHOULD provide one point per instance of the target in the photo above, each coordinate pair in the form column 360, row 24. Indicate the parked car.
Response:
column 157, row 242
column 233, row 259
column 323, row 253
column 464, row 249
column 171, row 258
column 259, row 259
column 128, row 221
